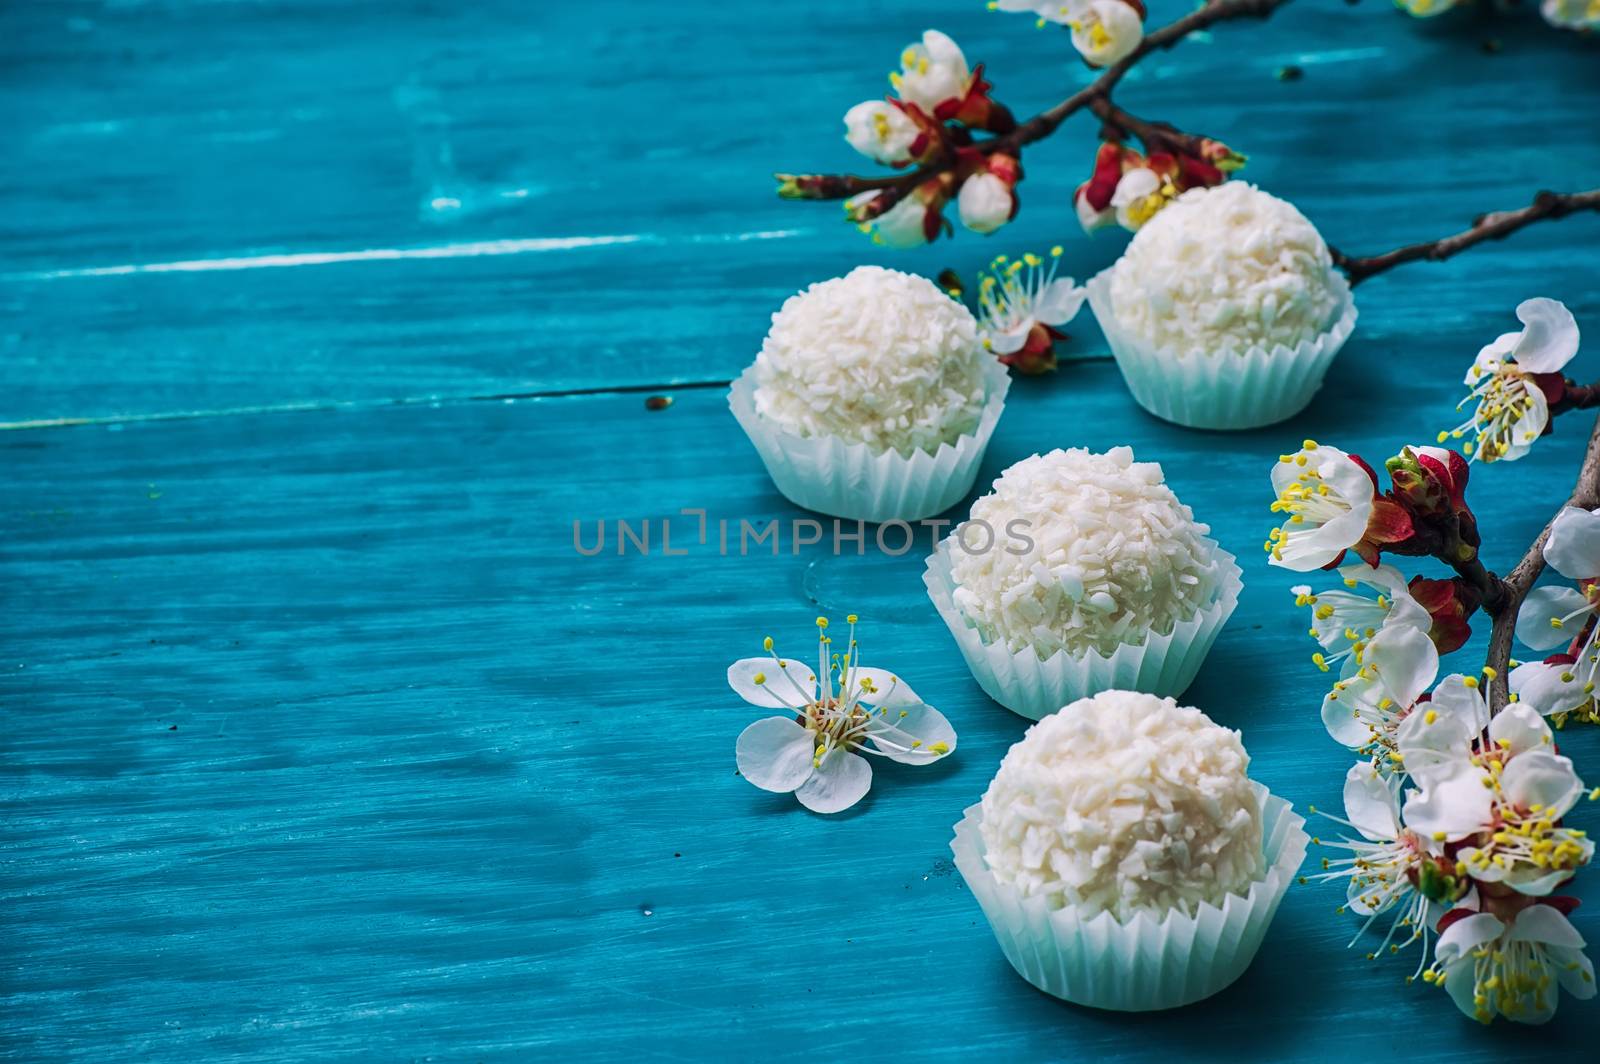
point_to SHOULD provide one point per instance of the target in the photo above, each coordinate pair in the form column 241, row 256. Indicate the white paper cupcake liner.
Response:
column 851, row 480
column 1148, row 962
column 1162, row 665
column 1225, row 390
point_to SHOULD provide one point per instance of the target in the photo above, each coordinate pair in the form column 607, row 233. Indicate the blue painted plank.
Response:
column 210, row 133
column 322, row 742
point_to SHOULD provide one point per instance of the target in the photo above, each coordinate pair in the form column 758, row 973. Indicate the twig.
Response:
column 1493, row 226
column 1045, row 122
column 1156, row 136
column 1516, row 585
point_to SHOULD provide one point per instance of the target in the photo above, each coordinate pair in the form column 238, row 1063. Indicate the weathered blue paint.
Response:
column 321, row 741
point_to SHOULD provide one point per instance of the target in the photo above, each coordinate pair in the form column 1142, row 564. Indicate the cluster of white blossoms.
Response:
column 937, row 98
column 1457, row 814
column 1460, row 828
column 1103, row 31
column 837, row 711
column 1565, row 616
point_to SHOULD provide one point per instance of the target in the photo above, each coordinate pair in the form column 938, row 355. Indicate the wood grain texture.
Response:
column 159, row 133
column 321, row 741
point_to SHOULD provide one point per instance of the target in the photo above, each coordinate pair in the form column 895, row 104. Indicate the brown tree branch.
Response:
column 1155, row 136
column 1041, row 125
column 1493, row 226
column 1516, row 585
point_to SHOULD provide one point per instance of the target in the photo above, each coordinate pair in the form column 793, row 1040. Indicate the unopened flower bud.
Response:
column 986, row 203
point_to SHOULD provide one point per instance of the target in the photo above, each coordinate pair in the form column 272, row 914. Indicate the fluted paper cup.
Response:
column 852, row 480
column 1152, row 961
column 1033, row 687
column 1223, row 389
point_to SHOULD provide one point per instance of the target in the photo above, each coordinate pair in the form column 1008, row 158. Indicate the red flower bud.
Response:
column 1037, row 354
column 1449, row 603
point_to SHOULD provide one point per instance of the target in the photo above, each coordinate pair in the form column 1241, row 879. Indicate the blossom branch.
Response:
column 1155, row 136
column 1493, row 226
column 1516, row 585
column 1041, row 125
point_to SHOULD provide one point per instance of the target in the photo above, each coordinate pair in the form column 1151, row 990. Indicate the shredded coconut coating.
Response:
column 877, row 357
column 1224, row 269
column 1124, row 801
column 1114, row 555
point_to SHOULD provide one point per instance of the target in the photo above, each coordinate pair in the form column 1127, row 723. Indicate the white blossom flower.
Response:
column 932, row 71
column 1139, row 195
column 985, row 203
column 839, row 710
column 905, row 225
column 1329, row 499
column 1104, row 31
column 1379, row 689
column 1555, row 616
column 1390, row 868
column 1496, row 786
column 1571, row 14
column 1345, row 621
column 881, row 131
column 1016, row 295
column 1511, row 966
column 1511, row 409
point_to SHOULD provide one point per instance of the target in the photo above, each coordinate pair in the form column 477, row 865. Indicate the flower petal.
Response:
column 1531, row 425
column 1548, row 688
column 1405, row 659
column 1575, row 971
column 838, row 783
column 1456, row 699
column 1544, row 923
column 1467, row 934
column 1434, row 747
column 794, row 684
column 1518, row 728
column 1450, row 807
column 1544, row 606
column 1009, row 341
column 1339, row 715
column 1059, row 302
column 1549, row 336
column 1370, row 803
column 880, row 687
column 775, row 754
column 1574, row 544
column 1530, row 879
column 1366, row 898
column 1543, row 779
column 1491, row 357
column 893, row 734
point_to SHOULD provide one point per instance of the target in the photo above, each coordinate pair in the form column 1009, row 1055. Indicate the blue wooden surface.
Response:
column 321, row 742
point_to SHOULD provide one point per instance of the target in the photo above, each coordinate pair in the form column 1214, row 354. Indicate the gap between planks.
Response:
column 317, row 405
